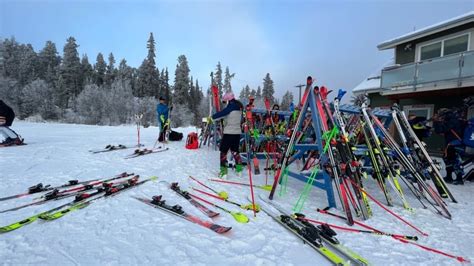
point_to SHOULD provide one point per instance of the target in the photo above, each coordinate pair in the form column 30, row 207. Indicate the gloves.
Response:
column 209, row 119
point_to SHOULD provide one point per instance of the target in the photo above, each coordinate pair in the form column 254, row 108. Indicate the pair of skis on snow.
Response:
column 320, row 238
column 160, row 203
column 81, row 200
column 136, row 152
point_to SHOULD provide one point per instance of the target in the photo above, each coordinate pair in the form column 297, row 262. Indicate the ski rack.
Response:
column 261, row 155
column 322, row 180
column 386, row 114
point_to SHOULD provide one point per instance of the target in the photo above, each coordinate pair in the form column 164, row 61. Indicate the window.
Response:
column 422, row 110
column 444, row 47
column 431, row 51
column 456, row 45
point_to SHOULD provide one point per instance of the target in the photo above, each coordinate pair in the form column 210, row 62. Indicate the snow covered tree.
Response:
column 99, row 68
column 258, row 94
column 10, row 58
column 49, row 61
column 119, row 103
column 165, row 88
column 110, row 72
column 286, row 101
column 125, row 72
column 181, row 82
column 227, row 87
column 10, row 91
column 87, row 70
column 90, row 104
column 268, row 90
column 218, row 78
column 69, row 74
column 148, row 75
column 37, row 98
column 358, row 99
column 28, row 64
column 195, row 103
column 245, row 93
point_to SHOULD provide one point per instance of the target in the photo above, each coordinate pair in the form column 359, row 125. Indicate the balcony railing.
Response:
column 453, row 69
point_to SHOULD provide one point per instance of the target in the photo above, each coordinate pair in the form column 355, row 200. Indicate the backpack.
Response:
column 192, row 141
column 175, row 136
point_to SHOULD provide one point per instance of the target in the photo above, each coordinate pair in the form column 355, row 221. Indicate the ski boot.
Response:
column 239, row 169
column 223, row 172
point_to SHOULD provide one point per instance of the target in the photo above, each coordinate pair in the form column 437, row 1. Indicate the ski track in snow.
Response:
column 123, row 231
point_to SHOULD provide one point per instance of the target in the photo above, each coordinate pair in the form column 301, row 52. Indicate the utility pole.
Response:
column 300, row 86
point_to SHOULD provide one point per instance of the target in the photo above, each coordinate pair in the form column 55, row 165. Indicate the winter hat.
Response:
column 162, row 98
column 228, row 96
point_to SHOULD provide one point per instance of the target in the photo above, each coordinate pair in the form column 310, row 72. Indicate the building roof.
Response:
column 372, row 82
column 441, row 26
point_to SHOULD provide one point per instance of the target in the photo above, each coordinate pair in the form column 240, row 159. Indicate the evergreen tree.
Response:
column 286, row 101
column 87, row 70
column 148, row 76
column 69, row 74
column 28, row 64
column 99, row 68
column 227, row 80
column 268, row 90
column 181, row 81
column 253, row 93
column 167, row 89
column 10, row 58
column 218, row 78
column 242, row 94
column 125, row 73
column 248, row 92
column 49, row 61
column 258, row 94
column 111, row 72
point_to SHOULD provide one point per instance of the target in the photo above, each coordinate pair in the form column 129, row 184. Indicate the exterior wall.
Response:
column 377, row 100
column 405, row 52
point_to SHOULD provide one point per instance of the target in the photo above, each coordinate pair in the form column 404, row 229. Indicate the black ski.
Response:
column 139, row 152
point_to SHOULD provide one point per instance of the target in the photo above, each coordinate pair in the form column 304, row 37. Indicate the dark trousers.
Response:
column 230, row 142
column 163, row 130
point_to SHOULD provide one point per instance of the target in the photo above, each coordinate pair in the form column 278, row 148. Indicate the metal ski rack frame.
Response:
column 323, row 180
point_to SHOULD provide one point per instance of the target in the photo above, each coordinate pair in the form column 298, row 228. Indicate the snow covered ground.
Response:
column 123, row 231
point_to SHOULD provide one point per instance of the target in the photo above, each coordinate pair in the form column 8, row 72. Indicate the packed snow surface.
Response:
column 123, row 231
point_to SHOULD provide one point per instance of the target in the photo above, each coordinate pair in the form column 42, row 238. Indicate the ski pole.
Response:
column 266, row 187
column 221, row 194
column 388, row 210
column 348, row 229
column 238, row 216
column 401, row 239
column 244, row 207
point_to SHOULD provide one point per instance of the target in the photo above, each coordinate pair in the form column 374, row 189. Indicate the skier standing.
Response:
column 163, row 120
column 232, row 114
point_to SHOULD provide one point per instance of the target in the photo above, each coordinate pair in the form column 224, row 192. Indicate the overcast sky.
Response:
column 334, row 41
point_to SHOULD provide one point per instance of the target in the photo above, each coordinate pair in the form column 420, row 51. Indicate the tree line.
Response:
column 46, row 86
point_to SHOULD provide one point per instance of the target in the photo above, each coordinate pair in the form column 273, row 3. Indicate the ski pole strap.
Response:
column 306, row 190
column 284, row 182
column 328, row 136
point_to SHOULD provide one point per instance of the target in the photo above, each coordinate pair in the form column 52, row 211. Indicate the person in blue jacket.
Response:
column 163, row 120
column 232, row 115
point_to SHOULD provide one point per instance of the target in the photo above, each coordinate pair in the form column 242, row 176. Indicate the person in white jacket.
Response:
column 232, row 115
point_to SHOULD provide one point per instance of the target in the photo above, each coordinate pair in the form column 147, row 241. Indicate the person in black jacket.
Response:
column 7, row 113
column 6, row 120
